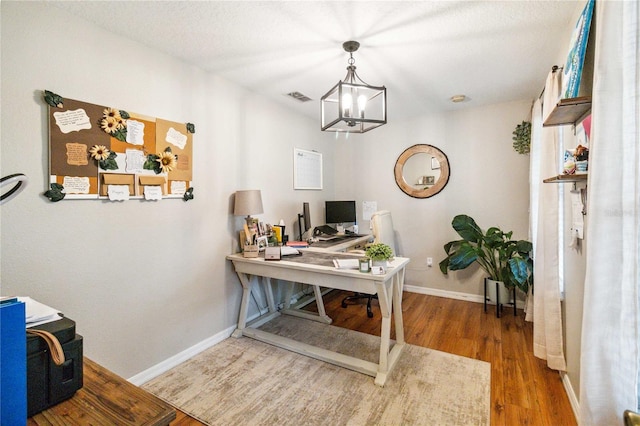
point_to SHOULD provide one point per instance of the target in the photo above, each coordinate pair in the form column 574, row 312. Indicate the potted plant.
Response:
column 378, row 252
column 502, row 258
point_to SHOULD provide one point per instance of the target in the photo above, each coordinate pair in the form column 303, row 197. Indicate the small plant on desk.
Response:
column 379, row 251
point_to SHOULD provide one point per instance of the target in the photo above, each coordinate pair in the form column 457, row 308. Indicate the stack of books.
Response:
column 297, row 244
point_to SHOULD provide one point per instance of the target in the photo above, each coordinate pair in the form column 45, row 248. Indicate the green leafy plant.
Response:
column 522, row 138
column 502, row 258
column 378, row 251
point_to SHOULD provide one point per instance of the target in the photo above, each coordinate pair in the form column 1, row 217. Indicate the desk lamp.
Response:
column 248, row 202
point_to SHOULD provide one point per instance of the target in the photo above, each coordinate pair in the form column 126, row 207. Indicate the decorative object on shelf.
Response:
column 412, row 165
column 352, row 105
column 502, row 258
column 569, row 163
column 522, row 137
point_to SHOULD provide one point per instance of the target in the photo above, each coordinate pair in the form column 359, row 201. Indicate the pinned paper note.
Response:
column 76, row 185
column 72, row 121
column 118, row 192
column 152, row 192
column 178, row 187
column 77, row 154
column 134, row 161
column 176, row 138
column 135, row 132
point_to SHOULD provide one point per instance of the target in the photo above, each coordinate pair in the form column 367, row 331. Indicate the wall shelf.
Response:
column 569, row 111
column 567, row 178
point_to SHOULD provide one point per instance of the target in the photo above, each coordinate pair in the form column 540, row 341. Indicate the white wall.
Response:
column 142, row 280
column 145, row 281
column 489, row 182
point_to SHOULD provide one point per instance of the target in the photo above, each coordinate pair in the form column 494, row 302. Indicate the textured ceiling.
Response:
column 424, row 52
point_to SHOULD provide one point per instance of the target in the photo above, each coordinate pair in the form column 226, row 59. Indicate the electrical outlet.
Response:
column 429, row 262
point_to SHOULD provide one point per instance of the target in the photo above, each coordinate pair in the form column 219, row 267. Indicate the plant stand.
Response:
column 498, row 304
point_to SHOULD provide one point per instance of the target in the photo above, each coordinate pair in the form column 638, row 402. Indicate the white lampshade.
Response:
column 248, row 202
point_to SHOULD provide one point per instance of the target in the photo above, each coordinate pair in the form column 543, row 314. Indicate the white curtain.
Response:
column 610, row 339
column 547, row 314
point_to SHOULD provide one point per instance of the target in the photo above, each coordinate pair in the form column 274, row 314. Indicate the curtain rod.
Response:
column 553, row 69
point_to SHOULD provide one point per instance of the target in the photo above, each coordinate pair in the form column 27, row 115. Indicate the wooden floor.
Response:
column 523, row 390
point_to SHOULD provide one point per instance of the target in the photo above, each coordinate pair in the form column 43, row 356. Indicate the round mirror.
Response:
column 422, row 171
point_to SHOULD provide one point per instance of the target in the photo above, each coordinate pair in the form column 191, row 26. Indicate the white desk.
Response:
column 388, row 287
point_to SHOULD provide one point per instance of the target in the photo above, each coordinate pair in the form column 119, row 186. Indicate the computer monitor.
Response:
column 306, row 217
column 340, row 212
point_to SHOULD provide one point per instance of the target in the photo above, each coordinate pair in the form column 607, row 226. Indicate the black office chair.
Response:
column 383, row 233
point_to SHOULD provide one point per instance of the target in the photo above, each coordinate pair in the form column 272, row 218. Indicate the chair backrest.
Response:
column 383, row 228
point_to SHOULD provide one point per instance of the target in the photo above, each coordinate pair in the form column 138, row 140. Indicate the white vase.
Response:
column 506, row 296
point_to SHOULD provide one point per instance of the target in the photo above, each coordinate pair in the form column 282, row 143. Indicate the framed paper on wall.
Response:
column 307, row 169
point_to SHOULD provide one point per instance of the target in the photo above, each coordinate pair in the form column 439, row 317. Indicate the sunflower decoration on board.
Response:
column 105, row 158
column 163, row 162
column 114, row 123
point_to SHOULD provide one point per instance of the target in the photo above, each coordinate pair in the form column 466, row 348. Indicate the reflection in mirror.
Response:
column 422, row 171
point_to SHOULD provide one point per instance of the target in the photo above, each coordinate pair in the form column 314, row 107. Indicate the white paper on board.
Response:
column 178, row 187
column 176, row 138
column 72, row 121
column 118, row 192
column 135, row 132
column 152, row 192
column 135, row 159
column 76, row 185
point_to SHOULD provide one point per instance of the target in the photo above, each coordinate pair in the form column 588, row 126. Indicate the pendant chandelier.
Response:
column 352, row 105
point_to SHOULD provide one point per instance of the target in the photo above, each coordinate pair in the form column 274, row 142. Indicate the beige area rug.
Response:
column 247, row 382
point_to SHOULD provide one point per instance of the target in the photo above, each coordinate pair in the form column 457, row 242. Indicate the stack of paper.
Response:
column 38, row 313
column 346, row 263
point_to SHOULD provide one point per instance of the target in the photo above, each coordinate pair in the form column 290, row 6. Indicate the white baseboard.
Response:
column 573, row 399
column 478, row 298
column 175, row 360
column 179, row 358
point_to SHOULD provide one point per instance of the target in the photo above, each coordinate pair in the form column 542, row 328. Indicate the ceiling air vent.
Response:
column 299, row 96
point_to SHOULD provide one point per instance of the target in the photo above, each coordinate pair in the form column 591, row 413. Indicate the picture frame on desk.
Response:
column 262, row 242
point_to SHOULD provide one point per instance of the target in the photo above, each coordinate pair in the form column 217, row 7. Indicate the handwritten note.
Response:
column 135, row 132
column 178, row 187
column 75, row 185
column 77, row 154
column 118, row 192
column 152, row 192
column 176, row 138
column 72, row 121
column 135, row 159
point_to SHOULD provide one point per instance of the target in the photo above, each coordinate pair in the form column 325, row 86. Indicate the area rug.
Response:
column 246, row 382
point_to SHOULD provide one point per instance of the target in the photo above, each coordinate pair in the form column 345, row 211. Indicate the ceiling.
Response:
column 424, row 52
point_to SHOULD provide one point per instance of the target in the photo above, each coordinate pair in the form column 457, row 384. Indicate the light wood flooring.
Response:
column 523, row 390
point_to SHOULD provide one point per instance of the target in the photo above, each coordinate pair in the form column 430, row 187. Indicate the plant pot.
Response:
column 382, row 263
column 506, row 296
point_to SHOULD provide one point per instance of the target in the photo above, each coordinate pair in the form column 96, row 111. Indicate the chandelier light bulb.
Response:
column 362, row 103
column 347, row 104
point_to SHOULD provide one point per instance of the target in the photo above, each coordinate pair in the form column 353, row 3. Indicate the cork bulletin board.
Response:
column 102, row 152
